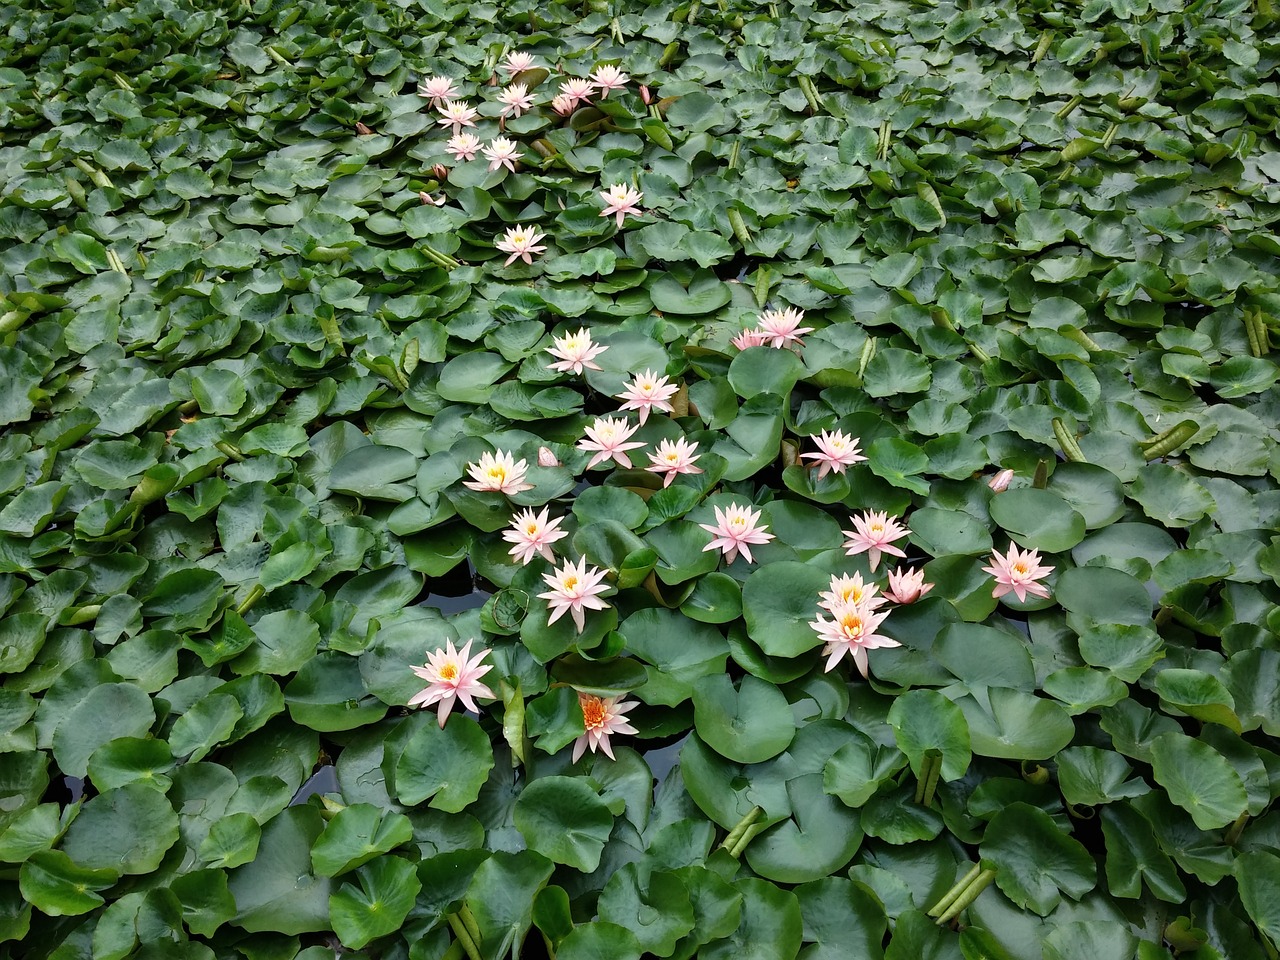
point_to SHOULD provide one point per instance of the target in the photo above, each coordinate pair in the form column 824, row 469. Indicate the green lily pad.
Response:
column 563, row 819
column 749, row 724
column 1038, row 519
column 1036, row 863
column 1199, row 779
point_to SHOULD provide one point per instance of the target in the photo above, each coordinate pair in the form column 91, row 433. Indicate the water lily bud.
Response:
column 546, row 458
column 1000, row 482
column 644, row 95
column 364, row 130
column 440, row 171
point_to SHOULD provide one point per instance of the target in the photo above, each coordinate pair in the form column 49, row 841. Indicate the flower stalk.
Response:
column 927, row 780
column 960, row 896
column 742, row 833
column 463, row 935
column 1067, row 442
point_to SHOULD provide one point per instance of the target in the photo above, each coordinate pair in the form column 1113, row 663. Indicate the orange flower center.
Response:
column 851, row 624
column 1020, row 569
column 449, row 672
column 592, row 712
column 571, row 582
column 531, row 528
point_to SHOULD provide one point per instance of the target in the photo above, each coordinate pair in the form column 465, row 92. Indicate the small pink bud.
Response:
column 1000, row 482
column 546, row 458
column 644, row 95
column 440, row 171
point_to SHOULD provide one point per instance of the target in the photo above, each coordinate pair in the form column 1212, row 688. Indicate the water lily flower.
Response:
column 457, row 115
column 518, row 62
column 1000, row 482
column 608, row 436
column 574, row 588
column 533, row 534
column 450, row 677
column 515, row 99
column 499, row 473
column 426, row 198
column 521, row 241
column 874, row 533
column 735, row 529
column 851, row 630
column 503, row 152
column 783, row 327
column 648, row 390
column 749, row 338
column 907, row 586
column 579, row 91
column 436, row 90
column 563, row 104
column 575, row 351
column 621, row 199
column 673, row 458
column 1018, row 572
column 836, row 450
column 602, row 716
column 463, row 146
column 546, row 458
column 609, row 78
column 849, row 590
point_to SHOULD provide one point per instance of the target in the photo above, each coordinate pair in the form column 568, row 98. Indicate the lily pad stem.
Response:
column 256, row 594
column 1236, row 828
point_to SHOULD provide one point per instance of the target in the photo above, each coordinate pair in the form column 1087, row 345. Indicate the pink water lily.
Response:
column 608, row 437
column 874, row 533
column 674, row 458
column 521, row 242
column 451, row 676
column 574, row 351
column 574, row 588
column 579, row 91
column 646, row 391
column 603, row 717
column 1000, row 482
column 782, row 327
column 515, row 99
column 609, row 78
column 517, row 62
column 907, row 586
column 1018, row 572
column 836, row 450
column 563, row 104
column 547, row 458
column 846, row 590
column 462, row 146
column 436, row 90
column 533, row 535
column 851, row 630
column 456, row 115
column 736, row 530
column 621, row 199
column 749, row 338
column 498, row 473
column 502, row 153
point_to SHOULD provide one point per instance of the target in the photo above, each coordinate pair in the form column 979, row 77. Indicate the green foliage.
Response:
column 250, row 372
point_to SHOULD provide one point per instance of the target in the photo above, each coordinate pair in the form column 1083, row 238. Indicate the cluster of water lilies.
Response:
column 851, row 609
column 453, row 676
column 522, row 241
